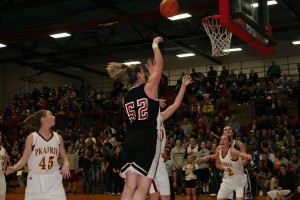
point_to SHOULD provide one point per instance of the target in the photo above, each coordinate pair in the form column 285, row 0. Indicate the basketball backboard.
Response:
column 248, row 20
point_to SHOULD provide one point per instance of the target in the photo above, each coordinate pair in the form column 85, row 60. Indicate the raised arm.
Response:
column 186, row 80
column 153, row 81
column 26, row 154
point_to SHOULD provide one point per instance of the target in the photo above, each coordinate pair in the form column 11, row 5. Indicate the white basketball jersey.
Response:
column 162, row 135
column 233, row 168
column 44, row 155
column 2, row 163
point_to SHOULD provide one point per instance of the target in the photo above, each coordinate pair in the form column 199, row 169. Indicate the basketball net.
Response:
column 219, row 36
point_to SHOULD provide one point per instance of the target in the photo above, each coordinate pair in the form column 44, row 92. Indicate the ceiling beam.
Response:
column 94, row 24
column 45, row 69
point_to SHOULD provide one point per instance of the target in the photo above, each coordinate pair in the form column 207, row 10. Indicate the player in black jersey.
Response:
column 141, row 150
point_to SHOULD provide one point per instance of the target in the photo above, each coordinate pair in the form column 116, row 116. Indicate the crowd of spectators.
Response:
column 270, row 137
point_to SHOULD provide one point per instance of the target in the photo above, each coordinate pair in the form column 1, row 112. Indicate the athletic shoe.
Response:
column 213, row 194
column 261, row 193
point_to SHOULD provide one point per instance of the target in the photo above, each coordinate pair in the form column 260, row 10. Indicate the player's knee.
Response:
column 131, row 185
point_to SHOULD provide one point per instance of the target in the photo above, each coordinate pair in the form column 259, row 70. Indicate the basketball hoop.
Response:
column 219, row 36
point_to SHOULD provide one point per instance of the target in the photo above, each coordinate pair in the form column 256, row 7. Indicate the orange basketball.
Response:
column 169, row 8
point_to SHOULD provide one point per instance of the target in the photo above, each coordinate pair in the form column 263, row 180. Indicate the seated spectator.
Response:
column 284, row 81
column 234, row 92
column 265, row 123
column 253, row 78
column 279, row 109
column 109, row 129
column 268, row 78
column 234, row 124
column 258, row 92
column 294, row 165
column 279, row 160
column 293, row 145
column 263, row 177
column 285, row 185
column 244, row 93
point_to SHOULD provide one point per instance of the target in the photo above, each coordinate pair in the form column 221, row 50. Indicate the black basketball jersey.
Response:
column 142, row 112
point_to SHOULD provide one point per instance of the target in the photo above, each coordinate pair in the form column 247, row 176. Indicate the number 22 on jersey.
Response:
column 142, row 109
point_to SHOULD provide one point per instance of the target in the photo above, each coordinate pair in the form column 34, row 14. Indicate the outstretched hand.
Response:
column 186, row 80
column 150, row 65
column 65, row 172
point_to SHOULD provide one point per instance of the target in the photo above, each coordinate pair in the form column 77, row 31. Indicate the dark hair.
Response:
column 33, row 122
column 283, row 165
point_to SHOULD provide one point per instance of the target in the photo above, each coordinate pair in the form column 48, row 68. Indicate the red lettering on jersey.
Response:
column 143, row 110
column 130, row 112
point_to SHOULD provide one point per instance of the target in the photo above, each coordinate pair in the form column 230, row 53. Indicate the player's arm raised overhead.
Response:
column 186, row 80
column 151, row 87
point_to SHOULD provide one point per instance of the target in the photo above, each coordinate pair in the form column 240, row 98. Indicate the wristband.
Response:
column 154, row 45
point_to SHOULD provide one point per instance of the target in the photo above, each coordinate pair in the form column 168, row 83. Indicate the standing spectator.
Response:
column 203, row 174
column 253, row 78
column 91, row 137
column 140, row 156
column 42, row 163
column 171, row 170
column 212, row 75
column 214, row 173
column 190, row 178
column 232, row 78
column 241, row 79
column 116, row 162
column 192, row 149
column 178, row 158
column 107, row 169
column 85, row 162
column 73, row 160
column 224, row 74
column 274, row 70
column 121, row 133
column 96, row 168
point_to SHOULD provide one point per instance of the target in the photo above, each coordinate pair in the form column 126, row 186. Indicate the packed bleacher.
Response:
column 93, row 126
